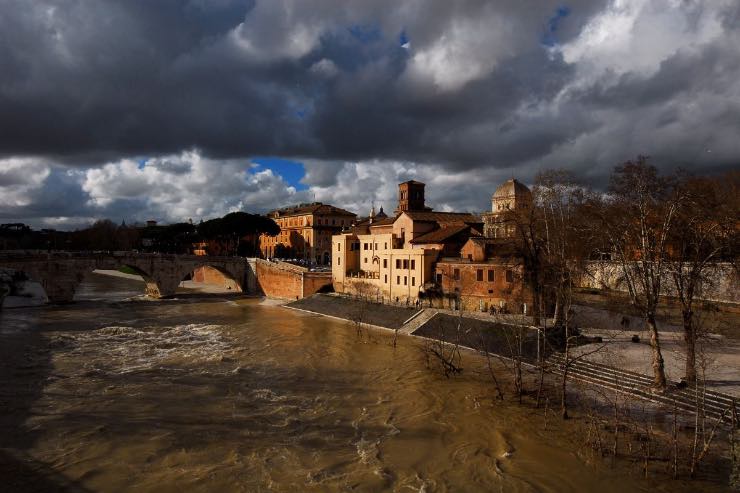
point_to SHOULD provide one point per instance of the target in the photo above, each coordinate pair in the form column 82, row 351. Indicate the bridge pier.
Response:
column 59, row 291
column 163, row 288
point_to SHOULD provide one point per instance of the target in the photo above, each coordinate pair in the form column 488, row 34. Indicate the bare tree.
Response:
column 364, row 292
column 566, row 244
column 636, row 218
column 704, row 232
column 445, row 353
column 530, row 245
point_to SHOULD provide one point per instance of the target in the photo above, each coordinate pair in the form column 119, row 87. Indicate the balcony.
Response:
column 362, row 274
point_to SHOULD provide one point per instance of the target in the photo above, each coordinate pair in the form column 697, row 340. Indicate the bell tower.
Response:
column 411, row 197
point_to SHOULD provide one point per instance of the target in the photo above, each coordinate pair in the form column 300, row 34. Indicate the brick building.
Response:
column 305, row 232
column 487, row 273
column 394, row 257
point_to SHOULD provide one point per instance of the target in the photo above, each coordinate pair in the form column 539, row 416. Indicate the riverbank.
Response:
column 368, row 313
column 601, row 392
column 482, row 332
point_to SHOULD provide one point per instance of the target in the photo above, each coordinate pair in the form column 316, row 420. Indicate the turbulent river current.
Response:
column 201, row 393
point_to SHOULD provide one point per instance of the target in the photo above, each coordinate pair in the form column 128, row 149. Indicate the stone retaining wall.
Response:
column 722, row 281
column 287, row 281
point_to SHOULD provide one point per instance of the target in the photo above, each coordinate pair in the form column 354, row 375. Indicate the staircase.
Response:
column 417, row 320
column 715, row 403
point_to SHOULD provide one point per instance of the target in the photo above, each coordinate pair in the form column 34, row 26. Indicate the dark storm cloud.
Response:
column 476, row 89
column 83, row 79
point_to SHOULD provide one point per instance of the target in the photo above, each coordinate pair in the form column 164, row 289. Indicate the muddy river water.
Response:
column 211, row 394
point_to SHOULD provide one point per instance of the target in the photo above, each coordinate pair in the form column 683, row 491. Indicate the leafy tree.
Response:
column 234, row 227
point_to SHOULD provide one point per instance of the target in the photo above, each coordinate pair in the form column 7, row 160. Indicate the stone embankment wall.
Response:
column 722, row 283
column 287, row 281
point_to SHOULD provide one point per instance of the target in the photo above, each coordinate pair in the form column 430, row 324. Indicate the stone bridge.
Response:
column 61, row 272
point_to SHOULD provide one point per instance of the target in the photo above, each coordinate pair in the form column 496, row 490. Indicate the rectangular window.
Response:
column 364, row 246
column 405, row 280
column 479, row 274
column 339, row 261
column 413, row 281
column 457, row 274
column 490, row 275
column 385, row 263
column 413, row 264
column 398, row 279
column 339, row 247
column 509, row 276
column 386, row 245
column 398, row 263
column 365, row 259
column 439, row 279
column 385, row 279
column 376, row 246
column 405, row 264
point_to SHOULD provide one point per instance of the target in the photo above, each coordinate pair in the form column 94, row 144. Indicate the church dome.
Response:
column 511, row 188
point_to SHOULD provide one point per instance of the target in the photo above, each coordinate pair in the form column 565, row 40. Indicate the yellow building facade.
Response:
column 393, row 259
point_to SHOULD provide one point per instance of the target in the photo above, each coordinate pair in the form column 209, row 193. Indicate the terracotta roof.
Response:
column 444, row 217
column 313, row 208
column 440, row 235
column 383, row 222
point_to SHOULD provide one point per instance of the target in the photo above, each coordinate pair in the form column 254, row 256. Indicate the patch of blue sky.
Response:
column 365, row 33
column 142, row 162
column 403, row 40
column 549, row 36
column 291, row 171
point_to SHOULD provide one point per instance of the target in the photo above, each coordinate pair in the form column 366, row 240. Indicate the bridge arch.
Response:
column 210, row 273
column 20, row 287
column 152, row 286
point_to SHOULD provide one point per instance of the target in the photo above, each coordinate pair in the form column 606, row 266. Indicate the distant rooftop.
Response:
column 309, row 208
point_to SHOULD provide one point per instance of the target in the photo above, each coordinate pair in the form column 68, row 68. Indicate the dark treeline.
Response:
column 236, row 233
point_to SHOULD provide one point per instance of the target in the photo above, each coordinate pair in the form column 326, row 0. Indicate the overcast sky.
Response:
column 138, row 109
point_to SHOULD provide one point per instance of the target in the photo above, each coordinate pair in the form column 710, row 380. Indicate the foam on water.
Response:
column 130, row 349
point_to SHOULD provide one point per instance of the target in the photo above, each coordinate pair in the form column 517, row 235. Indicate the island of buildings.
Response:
column 419, row 253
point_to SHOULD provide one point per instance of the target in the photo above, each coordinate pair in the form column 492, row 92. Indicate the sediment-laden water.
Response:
column 207, row 394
